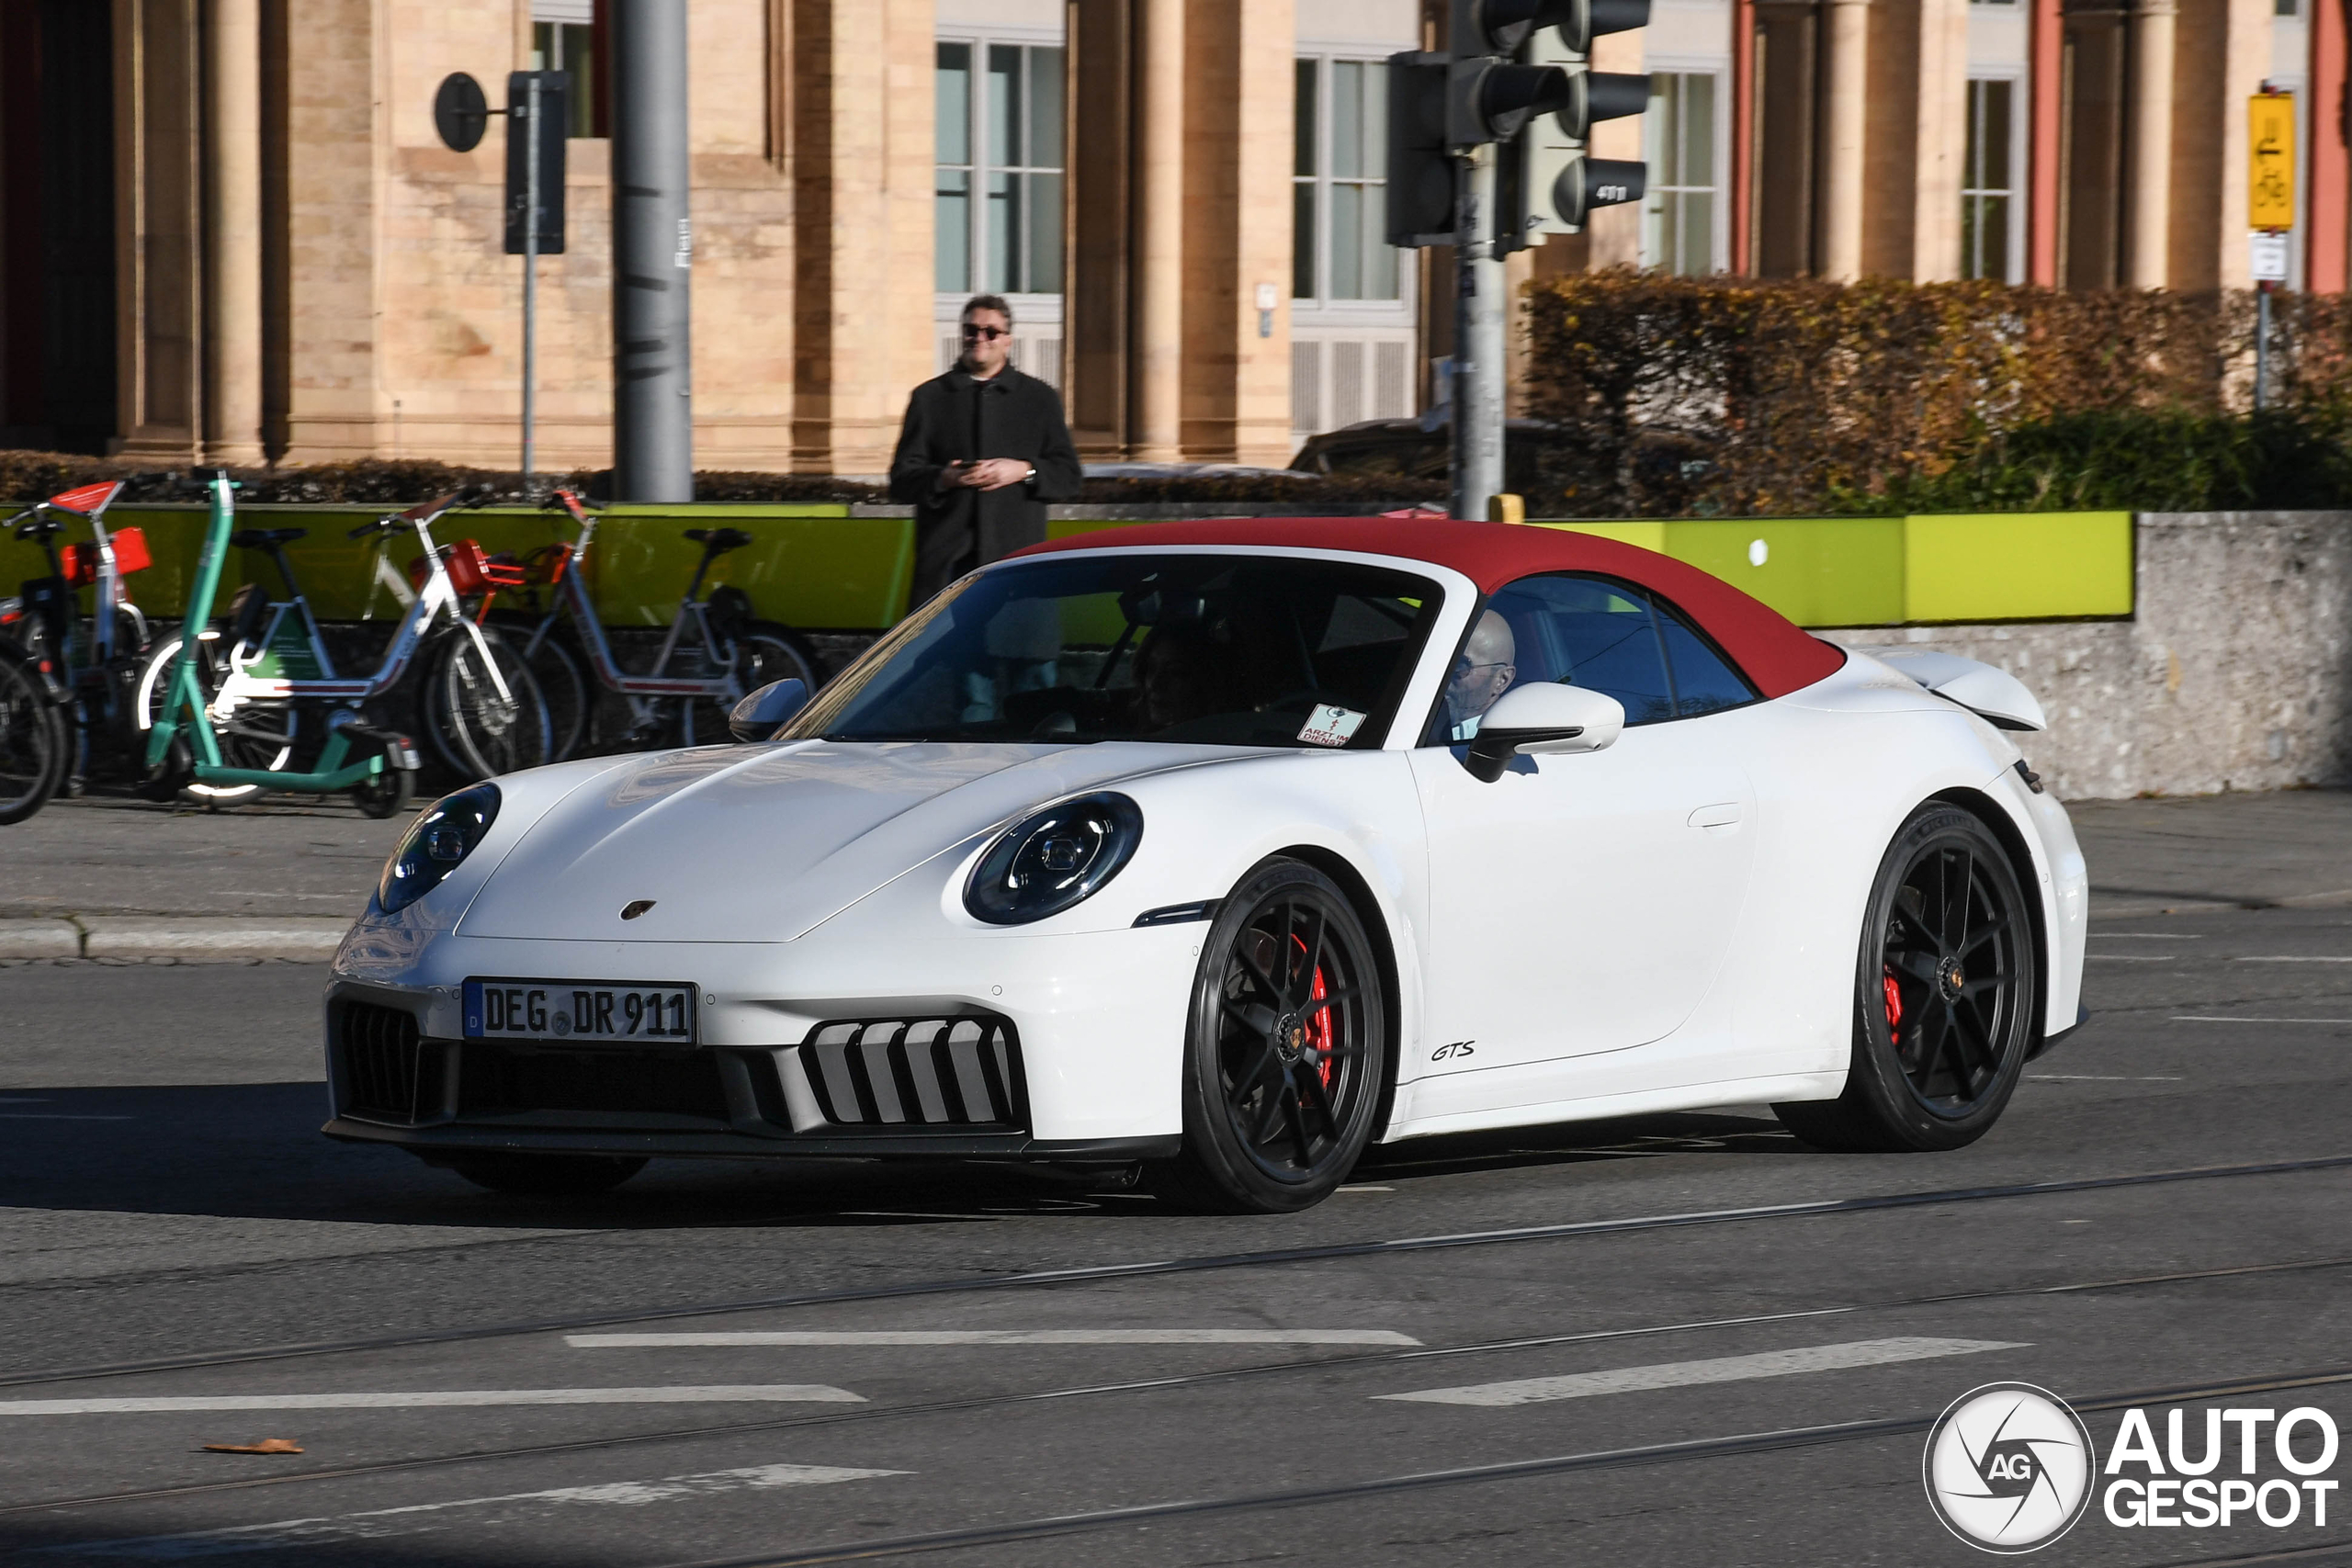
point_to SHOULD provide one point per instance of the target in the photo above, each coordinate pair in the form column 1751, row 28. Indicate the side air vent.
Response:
column 389, row 1074
column 905, row 1075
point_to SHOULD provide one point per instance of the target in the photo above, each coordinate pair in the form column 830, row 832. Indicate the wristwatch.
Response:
column 1031, row 477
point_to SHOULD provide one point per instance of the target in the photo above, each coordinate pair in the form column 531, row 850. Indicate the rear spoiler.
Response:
column 1995, row 696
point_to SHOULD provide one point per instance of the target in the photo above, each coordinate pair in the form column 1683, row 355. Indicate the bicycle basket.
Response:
column 81, row 562
column 472, row 570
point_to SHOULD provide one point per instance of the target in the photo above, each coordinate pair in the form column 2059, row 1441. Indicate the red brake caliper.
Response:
column 1317, row 1028
column 1894, row 1006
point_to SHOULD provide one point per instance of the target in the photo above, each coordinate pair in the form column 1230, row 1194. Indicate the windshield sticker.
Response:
column 1330, row 725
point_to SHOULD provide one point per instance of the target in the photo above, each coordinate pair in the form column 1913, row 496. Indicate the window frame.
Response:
column 1321, row 308
column 1433, row 731
column 1719, row 238
column 2013, row 261
column 1029, row 304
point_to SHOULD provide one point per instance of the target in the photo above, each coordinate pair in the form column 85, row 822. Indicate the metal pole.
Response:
column 1478, row 341
column 2262, row 344
column 530, row 269
column 652, row 253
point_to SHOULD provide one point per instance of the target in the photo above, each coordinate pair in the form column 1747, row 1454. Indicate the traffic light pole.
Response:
column 530, row 272
column 652, row 255
column 1479, row 325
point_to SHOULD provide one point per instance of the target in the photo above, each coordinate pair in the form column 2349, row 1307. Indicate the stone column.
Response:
column 1848, row 106
column 2147, row 261
column 1158, row 402
column 233, row 224
column 1943, row 141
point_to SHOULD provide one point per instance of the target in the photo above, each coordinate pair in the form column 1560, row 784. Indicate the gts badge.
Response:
column 1459, row 1048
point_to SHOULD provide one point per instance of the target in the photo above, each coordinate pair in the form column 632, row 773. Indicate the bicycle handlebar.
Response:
column 426, row 511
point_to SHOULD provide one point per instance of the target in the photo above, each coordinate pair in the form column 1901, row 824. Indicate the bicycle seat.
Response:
column 266, row 539
column 718, row 541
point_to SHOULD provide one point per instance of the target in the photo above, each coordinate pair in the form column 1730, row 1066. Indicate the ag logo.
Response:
column 2008, row 1467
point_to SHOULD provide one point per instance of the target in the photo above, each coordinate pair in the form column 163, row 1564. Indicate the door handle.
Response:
column 1720, row 816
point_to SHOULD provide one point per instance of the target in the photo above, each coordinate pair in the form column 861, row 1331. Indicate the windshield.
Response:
column 1228, row 650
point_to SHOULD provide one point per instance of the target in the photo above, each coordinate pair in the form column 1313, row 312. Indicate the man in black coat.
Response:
column 983, row 449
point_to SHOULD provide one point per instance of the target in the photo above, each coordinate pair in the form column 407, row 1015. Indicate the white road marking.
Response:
column 994, row 1336
column 2195, row 1018
column 716, row 1393
column 1724, row 1369
column 518, row 1508
column 2145, row 936
column 2099, row 1078
column 1367, row 1190
column 2296, row 958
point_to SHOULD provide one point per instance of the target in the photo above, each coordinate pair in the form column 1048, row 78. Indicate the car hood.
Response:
column 762, row 843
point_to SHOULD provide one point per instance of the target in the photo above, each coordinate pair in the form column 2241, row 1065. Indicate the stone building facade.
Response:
column 228, row 229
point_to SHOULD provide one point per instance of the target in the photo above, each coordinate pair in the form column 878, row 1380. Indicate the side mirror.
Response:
column 757, row 716
column 1544, row 717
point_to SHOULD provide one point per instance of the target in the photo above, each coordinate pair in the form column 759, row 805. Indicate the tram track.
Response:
column 1146, row 1385
column 1201, row 1263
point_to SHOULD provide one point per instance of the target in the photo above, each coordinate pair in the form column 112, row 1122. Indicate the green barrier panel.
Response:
column 814, row 566
column 811, row 565
column 2032, row 566
column 1818, row 572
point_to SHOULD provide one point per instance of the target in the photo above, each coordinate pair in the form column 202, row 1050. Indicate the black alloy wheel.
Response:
column 32, row 740
column 1945, row 995
column 1288, row 1046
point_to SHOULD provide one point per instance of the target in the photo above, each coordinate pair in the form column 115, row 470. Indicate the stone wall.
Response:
column 2236, row 673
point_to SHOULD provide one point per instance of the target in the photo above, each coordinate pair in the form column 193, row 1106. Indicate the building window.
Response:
column 999, row 219
column 1339, row 205
column 1988, row 180
column 1679, row 216
column 563, row 37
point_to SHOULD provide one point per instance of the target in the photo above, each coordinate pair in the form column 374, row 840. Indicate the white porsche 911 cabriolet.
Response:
column 1231, row 848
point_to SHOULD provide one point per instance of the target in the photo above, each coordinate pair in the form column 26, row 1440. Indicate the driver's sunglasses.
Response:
column 1463, row 669
column 988, row 334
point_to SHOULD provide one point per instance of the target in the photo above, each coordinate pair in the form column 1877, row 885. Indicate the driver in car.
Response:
column 1483, row 673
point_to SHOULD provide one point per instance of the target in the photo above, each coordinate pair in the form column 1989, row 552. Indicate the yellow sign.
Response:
column 2271, row 158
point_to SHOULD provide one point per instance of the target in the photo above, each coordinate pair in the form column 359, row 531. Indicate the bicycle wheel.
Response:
column 32, row 740
column 479, row 732
column 262, row 734
column 764, row 653
column 572, row 702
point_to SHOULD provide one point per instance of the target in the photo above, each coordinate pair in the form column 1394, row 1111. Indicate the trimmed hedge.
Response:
column 1731, row 397
column 35, row 476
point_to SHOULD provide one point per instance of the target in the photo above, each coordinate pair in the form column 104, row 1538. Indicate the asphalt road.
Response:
column 2160, row 1221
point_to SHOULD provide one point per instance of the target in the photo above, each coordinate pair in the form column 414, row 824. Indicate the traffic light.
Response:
column 1554, row 185
column 1516, row 74
column 1420, row 162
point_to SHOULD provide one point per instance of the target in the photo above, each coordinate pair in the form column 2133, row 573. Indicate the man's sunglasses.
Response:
column 988, row 334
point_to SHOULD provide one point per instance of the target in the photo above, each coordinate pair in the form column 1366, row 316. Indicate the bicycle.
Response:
column 32, row 739
column 273, row 664
column 692, row 681
column 89, row 665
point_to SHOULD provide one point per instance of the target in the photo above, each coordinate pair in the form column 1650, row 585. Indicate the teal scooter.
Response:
column 375, row 766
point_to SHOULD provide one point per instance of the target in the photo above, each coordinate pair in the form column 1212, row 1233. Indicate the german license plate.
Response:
column 589, row 1010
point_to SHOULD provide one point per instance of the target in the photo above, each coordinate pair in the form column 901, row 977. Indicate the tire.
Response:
column 547, row 1176
column 384, row 794
column 32, row 740
column 1284, row 1058
column 763, row 652
column 262, row 734
column 570, row 698
column 1945, row 989
column 477, row 733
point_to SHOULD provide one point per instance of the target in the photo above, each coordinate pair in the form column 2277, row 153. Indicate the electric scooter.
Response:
column 375, row 766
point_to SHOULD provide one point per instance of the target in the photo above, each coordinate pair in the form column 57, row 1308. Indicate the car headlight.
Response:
column 436, row 842
column 1053, row 859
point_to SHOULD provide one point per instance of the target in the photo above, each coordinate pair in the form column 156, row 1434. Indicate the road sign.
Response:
column 2269, row 253
column 2270, row 157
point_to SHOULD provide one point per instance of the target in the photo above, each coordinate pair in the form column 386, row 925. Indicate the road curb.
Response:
column 312, row 938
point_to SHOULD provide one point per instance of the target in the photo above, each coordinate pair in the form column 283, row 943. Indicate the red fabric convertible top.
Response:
column 1776, row 653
